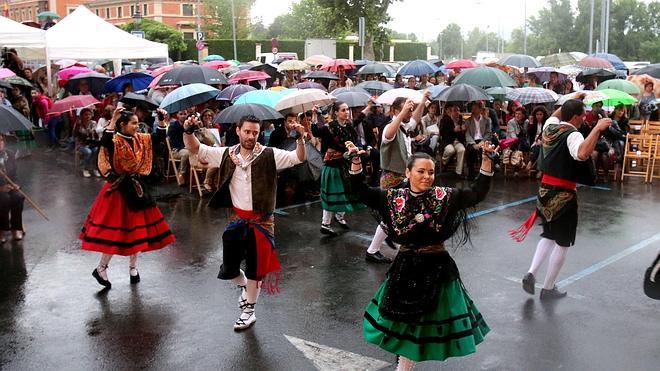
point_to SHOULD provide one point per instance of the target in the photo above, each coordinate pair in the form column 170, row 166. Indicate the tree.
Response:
column 258, row 31
column 298, row 24
column 218, row 18
column 449, row 42
column 552, row 27
column 159, row 32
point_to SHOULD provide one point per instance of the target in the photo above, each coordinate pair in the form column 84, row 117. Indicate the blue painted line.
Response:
column 501, row 207
column 604, row 263
column 281, row 211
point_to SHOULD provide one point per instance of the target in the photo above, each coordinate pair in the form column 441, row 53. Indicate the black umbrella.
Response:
column 12, row 120
column 4, row 84
column 462, row 93
column 601, row 73
column 134, row 100
column 373, row 69
column 190, row 74
column 652, row 70
column 319, row 75
column 234, row 113
column 95, row 80
column 436, row 61
column 353, row 99
column 267, row 68
column 310, row 169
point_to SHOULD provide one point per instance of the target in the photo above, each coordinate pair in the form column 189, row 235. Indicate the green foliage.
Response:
column 307, row 19
column 449, row 42
column 408, row 51
column 245, row 48
column 158, row 32
column 218, row 18
column 342, row 50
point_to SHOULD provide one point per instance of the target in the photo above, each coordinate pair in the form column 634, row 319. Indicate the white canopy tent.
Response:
column 29, row 42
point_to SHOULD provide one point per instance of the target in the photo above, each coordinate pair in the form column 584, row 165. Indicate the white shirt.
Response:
column 477, row 133
column 406, row 138
column 574, row 139
column 240, row 185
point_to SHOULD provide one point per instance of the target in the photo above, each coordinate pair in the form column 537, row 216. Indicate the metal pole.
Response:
column 591, row 29
column 440, row 54
column 603, row 11
column 233, row 28
column 606, row 43
column 525, row 31
column 199, row 29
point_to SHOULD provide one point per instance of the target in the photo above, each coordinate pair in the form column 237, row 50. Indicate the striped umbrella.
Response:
column 532, row 95
column 558, row 60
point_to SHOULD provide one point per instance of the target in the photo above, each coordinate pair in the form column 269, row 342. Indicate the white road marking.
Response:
column 326, row 358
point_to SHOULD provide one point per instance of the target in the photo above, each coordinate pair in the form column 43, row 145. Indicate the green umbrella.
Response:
column 52, row 15
column 621, row 85
column 15, row 80
column 614, row 98
column 484, row 77
column 558, row 60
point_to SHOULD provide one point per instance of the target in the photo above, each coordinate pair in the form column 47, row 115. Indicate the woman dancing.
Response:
column 124, row 220
column 422, row 311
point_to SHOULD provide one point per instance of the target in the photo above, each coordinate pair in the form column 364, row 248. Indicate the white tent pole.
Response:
column 49, row 75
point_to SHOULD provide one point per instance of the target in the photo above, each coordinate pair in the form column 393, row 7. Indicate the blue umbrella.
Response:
column 232, row 92
column 214, row 57
column 140, row 81
column 188, row 96
column 417, row 68
column 265, row 97
column 236, row 112
column 615, row 60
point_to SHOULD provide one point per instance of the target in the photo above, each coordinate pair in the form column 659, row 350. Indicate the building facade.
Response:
column 27, row 10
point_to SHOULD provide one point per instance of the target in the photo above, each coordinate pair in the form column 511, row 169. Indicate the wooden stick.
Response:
column 29, row 200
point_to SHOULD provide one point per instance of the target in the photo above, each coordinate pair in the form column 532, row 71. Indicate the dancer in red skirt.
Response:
column 124, row 220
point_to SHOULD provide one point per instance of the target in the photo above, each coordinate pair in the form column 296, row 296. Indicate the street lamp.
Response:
column 137, row 16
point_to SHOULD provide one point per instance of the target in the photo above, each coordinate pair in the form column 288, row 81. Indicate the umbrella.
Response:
column 247, row 75
column 254, row 63
column 293, row 65
column 417, row 68
column 12, row 120
column 613, row 59
column 161, row 70
column 52, row 15
column 267, row 68
column 96, row 82
column 72, row 102
column 134, row 100
column 602, row 75
column 317, row 60
column 353, row 99
column 499, row 92
column 571, row 71
column 652, row 70
column 69, row 72
column 217, row 64
column 462, row 93
column 362, row 62
column 304, row 100
column 265, row 97
column 229, row 70
column 234, row 113
column 592, row 95
column 4, row 84
column 389, row 96
column 66, row 63
column 375, row 87
column 6, row 72
column 461, row 63
column 232, row 92
column 320, row 75
column 484, row 77
column 334, row 65
column 15, row 80
column 213, row 57
column 621, row 85
column 352, row 89
column 436, row 90
column 532, row 95
column 191, row 74
column 139, row 81
column 436, row 62
column 594, row 62
column 520, row 61
column 543, row 73
column 244, row 66
column 558, row 60
column 188, row 96
column 578, row 55
column 373, row 69
column 614, row 98
column 310, row 85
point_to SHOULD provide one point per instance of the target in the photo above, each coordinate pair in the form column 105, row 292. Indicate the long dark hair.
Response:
column 123, row 119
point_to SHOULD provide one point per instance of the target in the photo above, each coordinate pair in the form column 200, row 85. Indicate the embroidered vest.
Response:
column 263, row 179
column 556, row 160
column 393, row 155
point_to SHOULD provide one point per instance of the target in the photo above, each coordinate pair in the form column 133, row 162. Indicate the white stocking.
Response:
column 240, row 280
column 378, row 239
column 327, row 217
column 132, row 265
column 556, row 262
column 543, row 250
column 103, row 265
column 253, row 290
column 405, row 364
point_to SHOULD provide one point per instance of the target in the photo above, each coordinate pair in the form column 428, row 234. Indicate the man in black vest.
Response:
column 248, row 184
column 565, row 161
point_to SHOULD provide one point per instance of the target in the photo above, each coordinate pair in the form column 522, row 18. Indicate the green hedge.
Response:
column 342, row 50
column 407, row 51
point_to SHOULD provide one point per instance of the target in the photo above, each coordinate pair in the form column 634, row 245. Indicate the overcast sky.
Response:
column 427, row 18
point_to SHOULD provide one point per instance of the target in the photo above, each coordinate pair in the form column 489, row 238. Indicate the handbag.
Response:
column 652, row 280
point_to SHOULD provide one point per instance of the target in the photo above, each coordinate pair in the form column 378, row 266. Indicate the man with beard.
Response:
column 248, row 184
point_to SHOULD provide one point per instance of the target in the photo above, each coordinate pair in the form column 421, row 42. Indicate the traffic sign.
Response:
column 139, row 34
column 200, row 45
column 200, row 35
column 274, row 50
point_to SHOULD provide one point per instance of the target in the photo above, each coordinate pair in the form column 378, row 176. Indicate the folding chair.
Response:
column 654, row 155
column 637, row 156
column 173, row 163
column 194, row 170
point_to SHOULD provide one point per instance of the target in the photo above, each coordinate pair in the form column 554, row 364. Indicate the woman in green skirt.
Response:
column 336, row 195
column 422, row 311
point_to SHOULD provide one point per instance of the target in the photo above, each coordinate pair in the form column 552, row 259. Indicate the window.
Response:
column 70, row 10
column 107, row 13
column 187, row 9
column 97, row 13
column 189, row 36
column 30, row 14
column 145, row 9
column 132, row 10
column 119, row 9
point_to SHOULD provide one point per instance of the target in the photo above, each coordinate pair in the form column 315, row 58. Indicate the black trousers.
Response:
column 238, row 244
column 11, row 211
column 473, row 157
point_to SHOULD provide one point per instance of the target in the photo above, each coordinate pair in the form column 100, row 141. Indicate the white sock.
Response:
column 240, row 280
column 378, row 239
column 253, row 290
column 556, row 262
column 543, row 250
column 405, row 364
column 327, row 217
column 132, row 265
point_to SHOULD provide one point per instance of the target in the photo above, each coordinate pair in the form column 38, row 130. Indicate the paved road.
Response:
column 53, row 316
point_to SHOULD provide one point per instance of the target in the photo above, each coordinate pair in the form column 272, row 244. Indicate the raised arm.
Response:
column 392, row 128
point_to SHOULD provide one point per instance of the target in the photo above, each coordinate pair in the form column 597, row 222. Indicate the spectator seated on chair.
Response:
column 452, row 134
column 87, row 142
column 179, row 151
column 478, row 130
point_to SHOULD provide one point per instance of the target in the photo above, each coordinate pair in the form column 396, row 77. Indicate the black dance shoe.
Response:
column 135, row 279
column 100, row 280
column 390, row 243
column 326, row 230
column 552, row 294
column 377, row 257
column 528, row 283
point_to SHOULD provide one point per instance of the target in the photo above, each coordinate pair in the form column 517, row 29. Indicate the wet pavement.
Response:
column 53, row 316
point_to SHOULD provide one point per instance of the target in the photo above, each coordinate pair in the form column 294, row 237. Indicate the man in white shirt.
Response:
column 248, row 184
column 479, row 128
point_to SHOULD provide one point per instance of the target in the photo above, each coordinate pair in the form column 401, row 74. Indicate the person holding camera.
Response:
column 248, row 185
column 124, row 220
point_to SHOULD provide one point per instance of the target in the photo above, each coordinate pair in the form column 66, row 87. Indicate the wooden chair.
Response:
column 194, row 175
column 173, row 163
column 654, row 167
column 636, row 126
column 637, row 156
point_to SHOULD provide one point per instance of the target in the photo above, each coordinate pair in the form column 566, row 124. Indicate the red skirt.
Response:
column 112, row 228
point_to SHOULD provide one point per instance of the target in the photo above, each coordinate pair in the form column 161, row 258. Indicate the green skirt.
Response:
column 453, row 329
column 333, row 192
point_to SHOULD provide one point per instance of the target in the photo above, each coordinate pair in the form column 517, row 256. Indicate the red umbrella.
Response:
column 248, row 75
column 67, row 73
column 595, row 62
column 72, row 102
column 161, row 70
column 218, row 64
column 461, row 63
column 335, row 64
